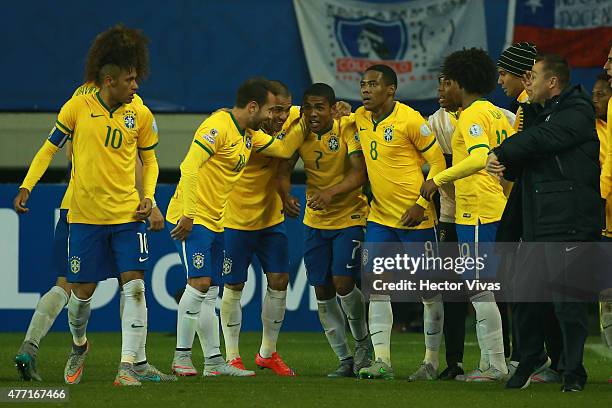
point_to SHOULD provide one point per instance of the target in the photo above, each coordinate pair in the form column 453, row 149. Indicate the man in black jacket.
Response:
column 556, row 198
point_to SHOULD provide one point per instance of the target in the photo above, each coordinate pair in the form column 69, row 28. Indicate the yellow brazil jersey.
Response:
column 85, row 89
column 326, row 161
column 254, row 203
column 104, row 151
column 480, row 197
column 518, row 121
column 602, row 134
column 229, row 148
column 393, row 148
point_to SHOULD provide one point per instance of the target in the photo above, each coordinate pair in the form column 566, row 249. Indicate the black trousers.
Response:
column 535, row 320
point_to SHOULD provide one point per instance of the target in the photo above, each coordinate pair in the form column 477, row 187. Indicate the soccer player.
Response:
column 254, row 225
column 469, row 76
column 221, row 148
column 395, row 138
column 334, row 219
column 52, row 302
column 601, row 96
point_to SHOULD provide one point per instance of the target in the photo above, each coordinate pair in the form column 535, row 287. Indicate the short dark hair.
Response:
column 119, row 48
column 279, row 89
column 254, row 89
column 603, row 76
column 388, row 74
column 555, row 65
column 323, row 90
column 473, row 69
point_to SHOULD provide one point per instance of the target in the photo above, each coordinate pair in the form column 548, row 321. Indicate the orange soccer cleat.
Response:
column 276, row 364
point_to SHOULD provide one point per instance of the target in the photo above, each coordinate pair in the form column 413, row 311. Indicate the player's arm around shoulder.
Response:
column 282, row 148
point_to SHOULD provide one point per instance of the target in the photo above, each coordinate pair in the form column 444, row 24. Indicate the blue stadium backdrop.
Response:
column 25, row 251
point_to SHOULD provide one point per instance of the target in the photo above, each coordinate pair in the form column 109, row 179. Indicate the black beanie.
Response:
column 518, row 58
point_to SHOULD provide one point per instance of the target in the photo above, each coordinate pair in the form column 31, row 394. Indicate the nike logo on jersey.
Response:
column 141, row 259
column 362, row 129
column 96, row 116
column 234, row 144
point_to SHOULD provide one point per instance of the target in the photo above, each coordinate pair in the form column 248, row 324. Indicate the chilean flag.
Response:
column 578, row 30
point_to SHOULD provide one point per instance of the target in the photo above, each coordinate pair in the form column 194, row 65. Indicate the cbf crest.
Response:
column 75, row 264
column 129, row 120
column 333, row 143
column 198, row 260
column 388, row 134
column 248, row 142
column 227, row 266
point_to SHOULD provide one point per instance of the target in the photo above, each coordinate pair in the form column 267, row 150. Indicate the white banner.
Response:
column 341, row 38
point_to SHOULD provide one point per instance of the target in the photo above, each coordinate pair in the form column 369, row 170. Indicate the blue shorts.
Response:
column 477, row 241
column 381, row 233
column 99, row 252
column 269, row 244
column 202, row 253
column 329, row 253
column 59, row 263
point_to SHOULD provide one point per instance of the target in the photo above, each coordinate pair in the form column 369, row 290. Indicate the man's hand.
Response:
column 494, row 167
column 144, row 209
column 20, row 201
column 291, row 206
column 428, row 189
column 183, row 229
column 319, row 200
column 156, row 220
column 413, row 216
column 342, row 109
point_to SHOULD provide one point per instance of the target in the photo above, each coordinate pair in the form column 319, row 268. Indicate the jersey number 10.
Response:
column 115, row 140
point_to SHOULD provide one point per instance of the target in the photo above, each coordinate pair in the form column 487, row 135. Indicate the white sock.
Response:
column 133, row 324
column 121, row 303
column 332, row 320
column 141, row 354
column 354, row 308
column 208, row 325
column 79, row 311
column 433, row 323
column 48, row 308
column 606, row 322
column 272, row 315
column 381, row 322
column 188, row 313
column 231, row 321
column 488, row 320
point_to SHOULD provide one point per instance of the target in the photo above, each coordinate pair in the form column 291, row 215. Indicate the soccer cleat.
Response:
column 572, row 386
column 126, row 376
column 451, row 372
column 378, row 370
column 182, row 365
column 489, row 375
column 152, row 374
column 274, row 363
column 546, row 376
column 226, row 369
column 426, row 371
column 237, row 362
column 525, row 374
column 345, row 369
column 363, row 355
column 25, row 361
column 512, row 366
column 74, row 366
column 463, row 377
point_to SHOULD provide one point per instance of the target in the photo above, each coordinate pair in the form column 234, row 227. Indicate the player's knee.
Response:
column 237, row 287
column 83, row 291
column 325, row 292
column 343, row 284
column 135, row 289
column 278, row 281
column 212, row 293
column 64, row 284
column 202, row 284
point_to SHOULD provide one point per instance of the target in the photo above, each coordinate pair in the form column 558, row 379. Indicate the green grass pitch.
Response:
column 311, row 357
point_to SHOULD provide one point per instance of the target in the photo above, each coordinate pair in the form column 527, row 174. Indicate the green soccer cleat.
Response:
column 25, row 361
column 425, row 372
column 152, row 374
column 378, row 370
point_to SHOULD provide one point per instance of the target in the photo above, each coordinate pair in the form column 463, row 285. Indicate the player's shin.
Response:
column 133, row 324
column 208, row 328
column 489, row 328
column 353, row 305
column 79, row 311
column 381, row 322
column 141, row 354
column 332, row 320
column 48, row 308
column 606, row 317
column 433, row 322
column 231, row 321
column 272, row 316
column 188, row 313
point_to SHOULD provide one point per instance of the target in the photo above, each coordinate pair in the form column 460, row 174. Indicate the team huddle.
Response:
column 235, row 190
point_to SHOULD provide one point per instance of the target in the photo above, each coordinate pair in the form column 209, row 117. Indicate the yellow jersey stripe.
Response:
column 266, row 145
column 477, row 146
column 203, row 147
column 148, row 147
column 433, row 142
column 63, row 127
